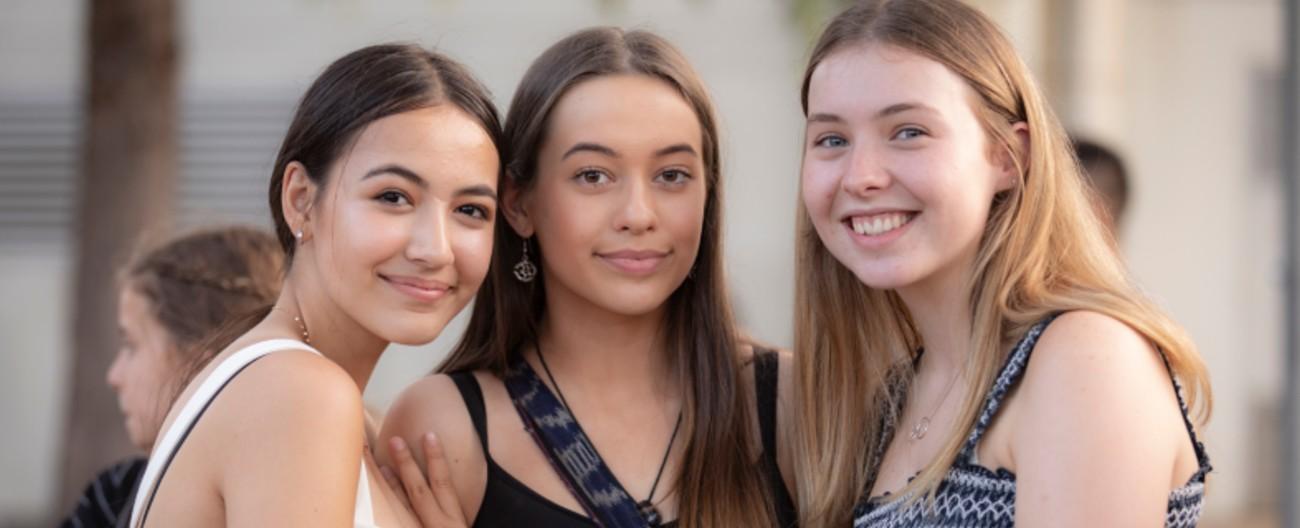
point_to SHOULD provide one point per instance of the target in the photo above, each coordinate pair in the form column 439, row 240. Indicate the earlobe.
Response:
column 1015, row 162
column 515, row 209
column 297, row 194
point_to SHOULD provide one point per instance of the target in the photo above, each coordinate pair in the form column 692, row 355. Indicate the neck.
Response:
column 606, row 352
column 331, row 331
column 940, row 308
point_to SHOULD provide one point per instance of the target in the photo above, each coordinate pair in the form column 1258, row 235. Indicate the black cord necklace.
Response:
column 647, row 506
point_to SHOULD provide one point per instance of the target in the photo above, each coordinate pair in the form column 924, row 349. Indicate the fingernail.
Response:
column 397, row 444
column 430, row 438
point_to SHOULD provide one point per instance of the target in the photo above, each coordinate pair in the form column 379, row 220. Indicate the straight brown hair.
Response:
column 720, row 484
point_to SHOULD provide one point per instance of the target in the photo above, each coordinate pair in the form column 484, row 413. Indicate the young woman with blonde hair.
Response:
column 944, row 236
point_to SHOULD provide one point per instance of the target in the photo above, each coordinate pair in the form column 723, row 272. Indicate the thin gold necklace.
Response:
column 923, row 425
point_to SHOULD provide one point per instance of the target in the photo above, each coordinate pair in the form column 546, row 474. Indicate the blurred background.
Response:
column 125, row 121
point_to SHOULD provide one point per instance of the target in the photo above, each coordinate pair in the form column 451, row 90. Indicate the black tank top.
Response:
column 507, row 502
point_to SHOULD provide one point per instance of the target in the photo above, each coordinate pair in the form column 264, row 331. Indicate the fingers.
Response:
column 430, row 508
column 395, row 485
column 444, row 491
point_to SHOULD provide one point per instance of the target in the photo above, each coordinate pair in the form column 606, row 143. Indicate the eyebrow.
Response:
column 590, row 147
column 398, row 170
column 890, row 110
column 680, row 148
column 478, row 190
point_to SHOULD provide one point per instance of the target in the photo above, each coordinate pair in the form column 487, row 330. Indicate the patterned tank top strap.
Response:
column 1202, row 458
column 1012, row 370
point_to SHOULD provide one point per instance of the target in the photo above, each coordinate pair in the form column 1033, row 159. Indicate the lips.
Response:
column 423, row 290
column 634, row 261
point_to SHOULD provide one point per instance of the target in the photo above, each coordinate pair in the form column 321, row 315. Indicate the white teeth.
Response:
column 879, row 224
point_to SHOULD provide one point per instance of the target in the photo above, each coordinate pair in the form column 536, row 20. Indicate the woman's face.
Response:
column 402, row 237
column 897, row 173
column 618, row 202
column 143, row 368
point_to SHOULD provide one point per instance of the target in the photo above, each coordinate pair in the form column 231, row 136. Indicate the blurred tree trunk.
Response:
column 128, row 167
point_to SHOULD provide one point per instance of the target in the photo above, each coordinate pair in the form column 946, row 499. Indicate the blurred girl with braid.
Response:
column 170, row 299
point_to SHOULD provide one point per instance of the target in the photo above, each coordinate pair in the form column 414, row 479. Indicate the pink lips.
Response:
column 420, row 289
column 634, row 261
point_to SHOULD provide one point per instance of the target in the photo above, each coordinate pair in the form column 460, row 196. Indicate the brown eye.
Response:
column 592, row 177
column 393, row 198
column 674, row 177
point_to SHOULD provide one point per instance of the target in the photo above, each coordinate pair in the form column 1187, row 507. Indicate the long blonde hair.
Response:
column 1043, row 250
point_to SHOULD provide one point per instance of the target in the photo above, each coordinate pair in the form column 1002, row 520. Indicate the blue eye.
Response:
column 909, row 133
column 831, row 141
column 391, row 197
column 592, row 177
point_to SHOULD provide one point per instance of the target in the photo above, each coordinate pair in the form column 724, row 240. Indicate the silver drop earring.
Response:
column 525, row 270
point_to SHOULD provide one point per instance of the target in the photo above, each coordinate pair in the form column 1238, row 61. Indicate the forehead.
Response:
column 866, row 78
column 438, row 141
column 624, row 109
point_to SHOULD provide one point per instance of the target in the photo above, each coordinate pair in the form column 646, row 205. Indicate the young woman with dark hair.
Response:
column 384, row 199
column 602, row 380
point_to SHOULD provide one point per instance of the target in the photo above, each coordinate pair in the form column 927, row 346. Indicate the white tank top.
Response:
column 170, row 440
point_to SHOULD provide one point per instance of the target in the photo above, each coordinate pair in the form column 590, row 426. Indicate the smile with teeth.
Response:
column 879, row 224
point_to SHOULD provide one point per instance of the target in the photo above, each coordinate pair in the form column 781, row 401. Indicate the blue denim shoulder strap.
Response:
column 569, row 450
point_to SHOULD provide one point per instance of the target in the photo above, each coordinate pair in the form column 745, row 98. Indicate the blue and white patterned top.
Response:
column 971, row 495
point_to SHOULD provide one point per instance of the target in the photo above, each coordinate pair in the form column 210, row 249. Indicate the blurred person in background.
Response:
column 1106, row 171
column 170, row 299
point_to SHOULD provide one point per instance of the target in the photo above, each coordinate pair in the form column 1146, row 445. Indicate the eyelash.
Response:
column 582, row 174
column 918, row 130
column 398, row 195
column 682, row 178
column 474, row 211
column 822, row 141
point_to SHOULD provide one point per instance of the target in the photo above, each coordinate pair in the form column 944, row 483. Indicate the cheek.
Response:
column 472, row 249
column 818, row 186
column 365, row 237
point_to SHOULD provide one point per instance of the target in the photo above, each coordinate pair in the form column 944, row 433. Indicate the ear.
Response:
column 515, row 206
column 1009, row 166
column 297, row 194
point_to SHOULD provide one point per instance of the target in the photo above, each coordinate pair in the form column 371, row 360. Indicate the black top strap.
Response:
column 1202, row 458
column 570, row 451
column 765, row 388
column 1007, row 379
column 470, row 391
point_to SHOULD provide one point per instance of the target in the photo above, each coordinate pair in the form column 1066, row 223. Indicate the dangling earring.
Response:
column 525, row 271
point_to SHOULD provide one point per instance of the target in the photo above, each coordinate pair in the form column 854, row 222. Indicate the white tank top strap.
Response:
column 169, row 441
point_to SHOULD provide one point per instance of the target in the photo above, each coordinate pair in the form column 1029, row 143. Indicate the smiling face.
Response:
column 142, row 368
column 897, row 173
column 618, row 202
column 402, row 236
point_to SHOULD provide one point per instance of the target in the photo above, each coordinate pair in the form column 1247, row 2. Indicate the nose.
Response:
column 430, row 243
column 114, row 376
column 865, row 172
column 638, row 214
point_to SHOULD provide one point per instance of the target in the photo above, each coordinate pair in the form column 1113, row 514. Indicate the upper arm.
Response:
column 1098, row 428
column 294, row 442
column 433, row 405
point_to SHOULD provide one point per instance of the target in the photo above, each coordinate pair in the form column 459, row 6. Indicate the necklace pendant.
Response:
column 919, row 430
column 650, row 513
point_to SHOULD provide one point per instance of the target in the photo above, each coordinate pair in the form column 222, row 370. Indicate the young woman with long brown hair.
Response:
column 944, row 236
column 383, row 198
column 607, row 299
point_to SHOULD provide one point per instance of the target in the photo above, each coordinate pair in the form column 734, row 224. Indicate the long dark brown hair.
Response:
column 719, row 484
column 360, row 88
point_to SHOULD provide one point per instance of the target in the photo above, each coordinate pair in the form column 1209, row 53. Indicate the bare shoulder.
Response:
column 1083, row 349
column 433, row 404
column 292, row 420
column 1096, row 399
